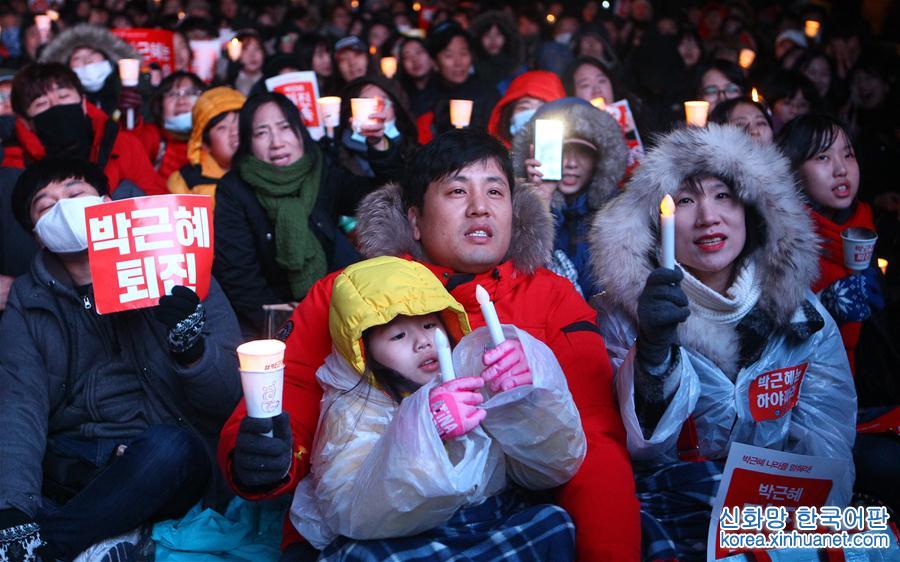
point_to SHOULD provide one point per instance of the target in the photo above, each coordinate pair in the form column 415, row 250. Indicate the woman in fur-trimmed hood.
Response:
column 93, row 52
column 594, row 160
column 730, row 345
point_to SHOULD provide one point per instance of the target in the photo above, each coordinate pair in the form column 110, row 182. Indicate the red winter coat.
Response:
column 541, row 84
column 600, row 498
column 174, row 150
column 831, row 263
column 127, row 160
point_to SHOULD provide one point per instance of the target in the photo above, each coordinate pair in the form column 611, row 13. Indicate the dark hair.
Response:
column 785, row 84
column 212, row 123
column 405, row 121
column 37, row 79
column 722, row 113
column 568, row 78
column 442, row 34
column 42, row 173
column 248, row 112
column 405, row 79
column 166, row 86
column 808, row 56
column 390, row 380
column 730, row 70
column 305, row 48
column 447, row 154
column 807, row 135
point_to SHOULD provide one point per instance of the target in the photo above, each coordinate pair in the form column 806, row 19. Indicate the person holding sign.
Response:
column 459, row 213
column 729, row 345
column 276, row 211
column 109, row 419
column 404, row 453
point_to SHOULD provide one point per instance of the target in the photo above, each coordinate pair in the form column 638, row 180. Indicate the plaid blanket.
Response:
column 503, row 527
column 675, row 509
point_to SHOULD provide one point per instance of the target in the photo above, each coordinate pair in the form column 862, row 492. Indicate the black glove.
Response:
column 259, row 461
column 661, row 307
column 184, row 316
column 20, row 538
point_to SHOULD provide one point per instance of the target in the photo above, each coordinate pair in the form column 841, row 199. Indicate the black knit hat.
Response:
column 39, row 175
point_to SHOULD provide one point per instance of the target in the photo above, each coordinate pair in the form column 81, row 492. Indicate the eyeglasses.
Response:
column 183, row 93
column 729, row 90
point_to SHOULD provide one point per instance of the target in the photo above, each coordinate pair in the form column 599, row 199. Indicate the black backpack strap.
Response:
column 110, row 132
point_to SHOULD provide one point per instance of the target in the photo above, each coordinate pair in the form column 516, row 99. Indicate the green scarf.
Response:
column 288, row 194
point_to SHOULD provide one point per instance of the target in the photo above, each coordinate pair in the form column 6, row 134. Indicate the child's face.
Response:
column 406, row 345
column 831, row 178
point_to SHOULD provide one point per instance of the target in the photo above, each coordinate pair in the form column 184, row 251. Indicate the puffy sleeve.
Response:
column 537, row 426
column 380, row 471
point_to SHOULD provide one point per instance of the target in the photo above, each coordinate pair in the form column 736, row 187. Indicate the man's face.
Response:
column 465, row 222
column 56, row 95
column 49, row 195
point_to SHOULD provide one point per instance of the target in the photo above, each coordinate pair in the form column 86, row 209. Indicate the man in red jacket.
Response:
column 54, row 118
column 459, row 214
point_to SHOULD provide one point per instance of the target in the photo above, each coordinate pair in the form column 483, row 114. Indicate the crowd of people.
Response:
column 599, row 428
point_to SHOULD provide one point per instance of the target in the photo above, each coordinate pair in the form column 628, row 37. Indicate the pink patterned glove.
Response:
column 507, row 367
column 452, row 406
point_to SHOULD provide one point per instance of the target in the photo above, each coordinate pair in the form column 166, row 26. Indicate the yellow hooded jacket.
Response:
column 200, row 175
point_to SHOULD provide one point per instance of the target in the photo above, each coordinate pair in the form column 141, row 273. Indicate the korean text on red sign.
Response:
column 154, row 45
column 140, row 248
column 774, row 393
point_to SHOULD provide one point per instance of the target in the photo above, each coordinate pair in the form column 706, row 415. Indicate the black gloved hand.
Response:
column 661, row 307
column 20, row 538
column 184, row 316
column 259, row 461
column 130, row 98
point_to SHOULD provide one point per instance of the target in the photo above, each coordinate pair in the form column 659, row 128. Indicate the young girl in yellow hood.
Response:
column 404, row 464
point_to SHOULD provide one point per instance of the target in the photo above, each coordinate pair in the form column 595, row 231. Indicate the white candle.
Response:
column 44, row 25
column 696, row 113
column 490, row 315
column 460, row 113
column 746, row 58
column 129, row 71
column 667, row 231
column 811, row 28
column 389, row 66
column 445, row 358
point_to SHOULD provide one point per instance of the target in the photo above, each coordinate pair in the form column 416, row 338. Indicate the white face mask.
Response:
column 93, row 75
column 563, row 38
column 63, row 229
column 519, row 120
column 180, row 123
column 390, row 131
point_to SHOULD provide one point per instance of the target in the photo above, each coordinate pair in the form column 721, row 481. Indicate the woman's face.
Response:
column 180, row 98
column 715, row 87
column 378, row 35
column 416, row 60
column 578, row 168
column 352, row 64
column 373, row 91
column 751, row 119
column 689, row 51
column 831, row 178
column 493, row 41
column 321, row 61
column 273, row 140
column 786, row 109
column 84, row 56
column 406, row 345
column 182, row 52
column 710, row 231
column 223, row 140
column 591, row 46
column 591, row 82
column 252, row 56
column 819, row 73
column 454, row 61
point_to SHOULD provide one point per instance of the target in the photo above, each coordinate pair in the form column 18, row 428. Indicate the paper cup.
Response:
column 330, row 107
column 859, row 244
column 389, row 66
column 460, row 113
column 746, row 58
column 129, row 71
column 262, row 377
column 696, row 113
column 361, row 108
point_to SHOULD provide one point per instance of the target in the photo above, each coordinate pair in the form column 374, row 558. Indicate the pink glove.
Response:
column 507, row 367
column 452, row 406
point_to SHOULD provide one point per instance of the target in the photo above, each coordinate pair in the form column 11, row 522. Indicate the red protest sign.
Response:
column 154, row 45
column 774, row 393
column 302, row 88
column 140, row 248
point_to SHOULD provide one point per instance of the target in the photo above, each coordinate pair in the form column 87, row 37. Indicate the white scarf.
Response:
column 738, row 300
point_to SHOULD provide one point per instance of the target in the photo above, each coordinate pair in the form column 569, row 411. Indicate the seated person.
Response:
column 109, row 419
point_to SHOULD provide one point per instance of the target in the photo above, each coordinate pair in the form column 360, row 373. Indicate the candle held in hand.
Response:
column 445, row 359
column 490, row 315
column 667, row 231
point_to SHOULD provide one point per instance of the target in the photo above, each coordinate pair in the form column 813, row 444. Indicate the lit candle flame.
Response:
column 746, row 58
column 354, row 4
column 754, row 95
column 599, row 103
column 667, row 206
column 551, row 18
column 811, row 28
column 54, row 15
column 882, row 265
column 417, row 6
column 234, row 49
column 372, row 50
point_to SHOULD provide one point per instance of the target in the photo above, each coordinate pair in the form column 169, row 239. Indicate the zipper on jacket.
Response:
column 87, row 302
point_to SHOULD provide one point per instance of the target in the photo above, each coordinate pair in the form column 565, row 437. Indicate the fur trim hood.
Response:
column 383, row 228
column 91, row 36
column 584, row 121
column 624, row 237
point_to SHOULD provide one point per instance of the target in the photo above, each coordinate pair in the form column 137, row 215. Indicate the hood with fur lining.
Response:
column 383, row 228
column 583, row 121
column 90, row 36
column 624, row 239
